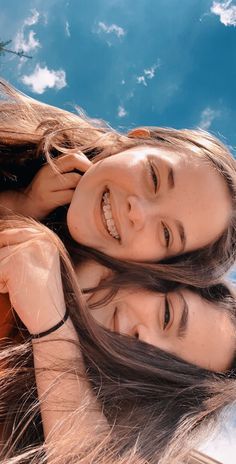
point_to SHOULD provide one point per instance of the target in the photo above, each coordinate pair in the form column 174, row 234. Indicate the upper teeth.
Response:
column 107, row 211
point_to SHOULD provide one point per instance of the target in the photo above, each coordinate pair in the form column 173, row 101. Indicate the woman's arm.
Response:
column 30, row 272
column 62, row 394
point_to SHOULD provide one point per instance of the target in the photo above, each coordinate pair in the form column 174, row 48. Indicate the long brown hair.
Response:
column 154, row 402
column 30, row 130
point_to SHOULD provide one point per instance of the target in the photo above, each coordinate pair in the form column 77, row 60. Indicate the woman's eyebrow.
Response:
column 183, row 323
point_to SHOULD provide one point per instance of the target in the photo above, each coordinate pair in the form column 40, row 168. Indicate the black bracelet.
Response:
column 53, row 329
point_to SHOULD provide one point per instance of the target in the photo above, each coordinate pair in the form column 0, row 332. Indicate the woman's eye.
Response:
column 166, row 235
column 153, row 176
column 166, row 314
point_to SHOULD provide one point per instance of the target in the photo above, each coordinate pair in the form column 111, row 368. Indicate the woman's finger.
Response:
column 61, row 197
column 71, row 162
column 68, row 180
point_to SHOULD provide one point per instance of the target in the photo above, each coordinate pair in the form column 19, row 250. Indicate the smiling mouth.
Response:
column 107, row 216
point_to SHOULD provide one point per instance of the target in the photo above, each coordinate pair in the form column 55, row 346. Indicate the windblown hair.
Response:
column 156, row 403
column 31, row 130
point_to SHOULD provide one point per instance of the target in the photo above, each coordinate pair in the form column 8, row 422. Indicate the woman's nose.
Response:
column 137, row 212
column 135, row 322
column 142, row 332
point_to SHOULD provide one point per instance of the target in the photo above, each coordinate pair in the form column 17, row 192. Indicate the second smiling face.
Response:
column 180, row 322
column 147, row 204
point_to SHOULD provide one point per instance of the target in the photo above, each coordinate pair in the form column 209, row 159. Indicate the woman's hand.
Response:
column 51, row 188
column 30, row 273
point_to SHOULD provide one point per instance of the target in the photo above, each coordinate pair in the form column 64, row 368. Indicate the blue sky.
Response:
column 132, row 63
column 153, row 62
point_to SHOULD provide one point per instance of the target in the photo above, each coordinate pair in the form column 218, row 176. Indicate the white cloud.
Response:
column 142, row 80
column 79, row 110
column 25, row 40
column 148, row 73
column 226, row 11
column 207, row 117
column 67, row 28
column 112, row 29
column 32, row 19
column 43, row 78
column 122, row 111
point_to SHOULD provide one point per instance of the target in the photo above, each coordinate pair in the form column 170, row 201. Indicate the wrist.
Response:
column 31, row 207
column 52, row 329
column 42, row 320
column 63, row 334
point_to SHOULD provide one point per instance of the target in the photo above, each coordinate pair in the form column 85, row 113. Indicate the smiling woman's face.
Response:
column 148, row 203
column 180, row 322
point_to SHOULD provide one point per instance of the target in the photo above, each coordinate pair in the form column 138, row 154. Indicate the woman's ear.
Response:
column 139, row 132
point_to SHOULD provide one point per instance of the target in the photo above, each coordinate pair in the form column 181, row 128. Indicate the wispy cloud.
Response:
column 148, row 73
column 111, row 29
column 43, row 78
column 121, row 112
column 67, row 29
column 78, row 109
column 32, row 19
column 208, row 115
column 25, row 40
column 226, row 11
column 26, row 43
column 142, row 80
